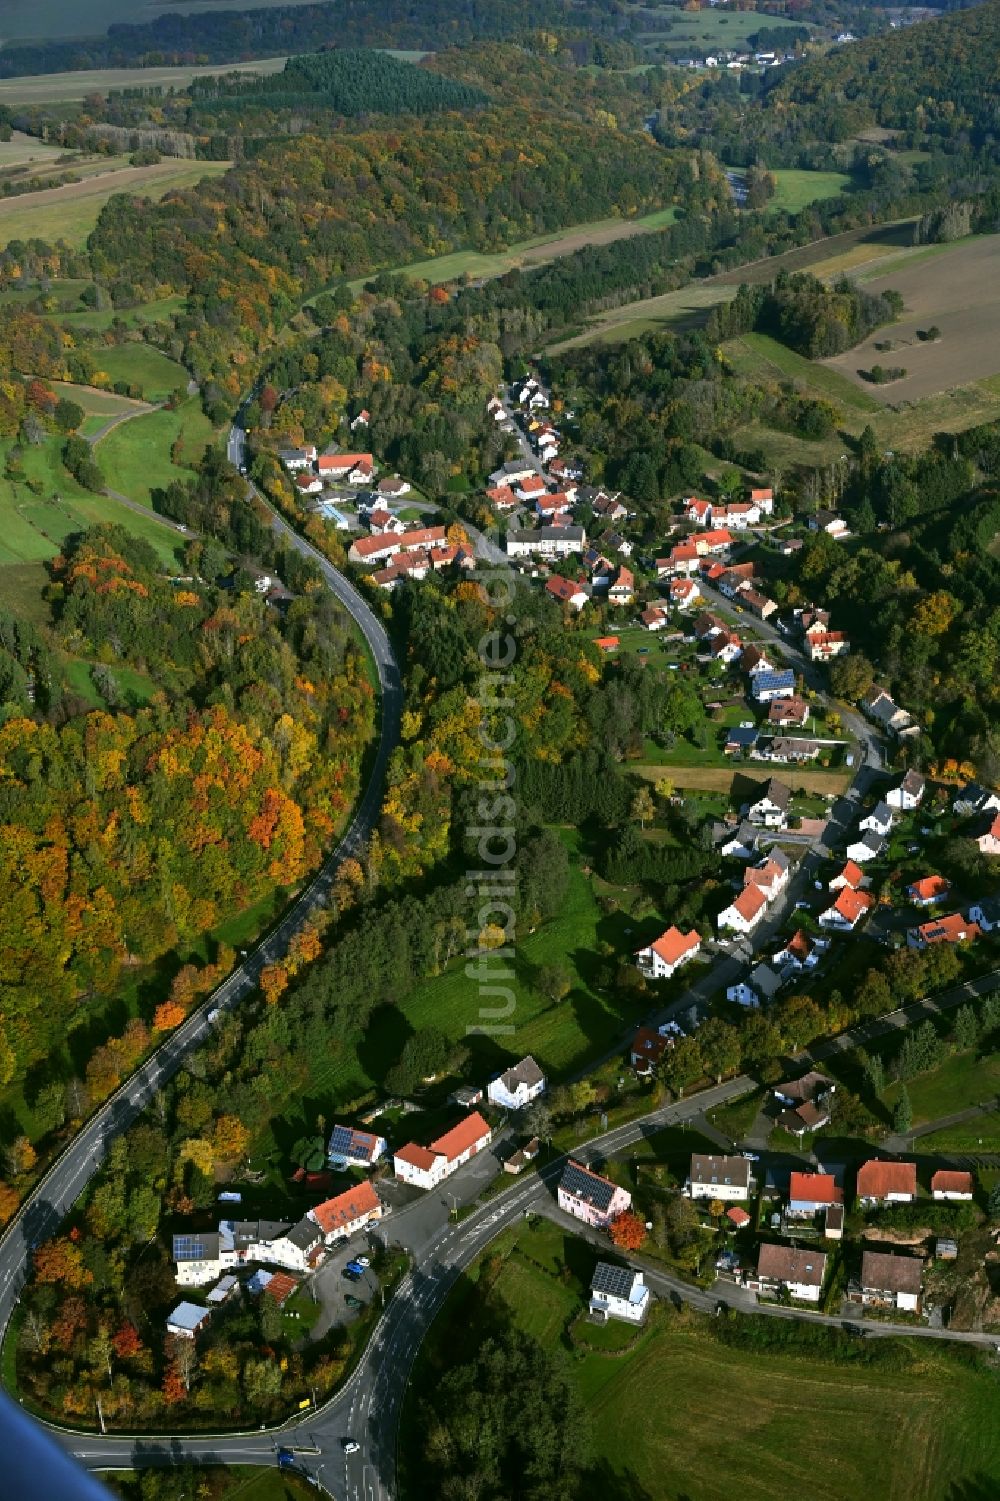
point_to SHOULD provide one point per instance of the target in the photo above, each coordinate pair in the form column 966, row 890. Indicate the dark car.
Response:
column 286, row 1459
column 353, row 1302
column 351, row 1274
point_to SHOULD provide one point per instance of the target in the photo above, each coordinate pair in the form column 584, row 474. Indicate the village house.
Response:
column 811, row 1088
column 974, row 799
column 928, row 890
column 758, row 604
column 531, row 488
column 295, row 459
column 347, row 1213
column 517, row 1086
column 550, row 507
column 986, row 913
column 770, row 809
column 909, row 793
column 663, row 957
column 609, row 507
column 812, row 1193
column 203, row 1256
column 546, row 541
column 684, row 593
column 725, row 648
column 615, row 542
column 889, row 1281
column 868, row 847
column 828, row 521
column 951, row 1185
column 790, row 1269
column 308, row 484
column 618, row 1292
column 647, row 1050
column 787, row 713
column 755, row 659
column 717, row 1177
column 823, row 646
column 393, row 487
column 716, row 541
column 496, row 409
column 771, row 875
column 852, row 875
column 655, row 618
column 800, row 953
column 844, row 914
column 988, row 838
column 765, row 686
column 763, row 499
column 737, row 516
column 787, row 750
column 380, row 520
column 622, row 591
column 740, row 843
column 370, row 550
column 425, row 1167
column 350, row 1147
column 951, row 929
column 512, row 473
column 697, row 511
column 502, row 497
column 741, row 738
column 361, row 420
column 882, row 1182
column 744, row 913
column 187, row 1320
column 589, row 1197
column 566, row 592
column 520, row 1159
column 708, row 625
column 762, row 984
column 566, row 469
column 352, row 468
column 878, row 821
column 681, row 562
column 734, row 579
column 880, row 707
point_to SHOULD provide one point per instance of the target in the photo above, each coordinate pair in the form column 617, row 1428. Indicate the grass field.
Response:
column 68, row 18
column 721, row 778
column 796, row 188
column 962, row 1080
column 712, row 28
column 101, row 407
column 760, row 356
column 136, row 456
column 70, row 213
column 532, row 252
column 681, row 1413
column 54, row 88
column 956, row 288
column 217, row 1483
column 979, row 1135
column 24, row 150
column 36, row 525
column 143, row 366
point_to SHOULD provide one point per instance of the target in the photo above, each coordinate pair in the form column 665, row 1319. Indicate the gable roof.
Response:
column 930, row 887
column 851, row 904
column 852, row 875
column 913, row 783
column 280, row 1287
column 775, row 792
column 334, row 1214
column 348, row 1141
column 580, row 1183
column 947, row 1181
column 806, row 1087
column 416, row 1156
column 461, row 1137
column 672, row 945
column 526, row 1072
column 614, row 1281
column 650, row 1044
column 951, row 929
column 815, row 1188
column 749, row 903
column 781, row 680
column 881, row 1271
column 792, row 1264
column 709, row 1168
column 877, row 1178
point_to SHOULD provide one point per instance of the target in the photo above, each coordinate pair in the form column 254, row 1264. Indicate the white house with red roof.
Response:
column 988, row 840
column 361, row 420
column 743, row 914
column 684, row 593
column 763, row 499
column 681, row 562
column 532, row 487
column 655, row 618
column 882, row 1182
column 698, row 511
column 344, row 1215
column 352, row 468
column 808, row 1193
column 622, row 591
column 425, row 1167
column 852, row 875
column 666, row 955
column 847, row 910
column 951, row 929
column 566, row 592
column 928, row 890
column 951, row 1185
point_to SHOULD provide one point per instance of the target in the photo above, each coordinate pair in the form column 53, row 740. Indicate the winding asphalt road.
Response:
column 42, row 1213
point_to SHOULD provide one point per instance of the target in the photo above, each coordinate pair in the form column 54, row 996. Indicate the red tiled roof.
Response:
column 684, row 552
column 852, row 904
column 719, row 537
column 343, row 461
column 673, row 945
column 335, row 1213
column 281, row 1287
column 461, row 1137
column 951, row 929
column 738, row 1216
column 750, row 901
column 929, row 887
column 945, row 1181
column 815, row 1188
column 852, row 875
column 416, row 1155
column 878, row 1179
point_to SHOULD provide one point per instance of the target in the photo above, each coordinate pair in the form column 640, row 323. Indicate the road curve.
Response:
column 49, row 1203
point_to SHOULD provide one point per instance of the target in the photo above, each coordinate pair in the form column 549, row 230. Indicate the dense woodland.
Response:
column 809, row 316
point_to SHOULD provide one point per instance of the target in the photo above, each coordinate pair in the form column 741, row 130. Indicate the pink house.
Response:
column 589, row 1197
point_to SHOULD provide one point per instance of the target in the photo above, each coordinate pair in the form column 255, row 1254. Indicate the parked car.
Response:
column 352, row 1274
column 353, row 1302
column 361, row 1261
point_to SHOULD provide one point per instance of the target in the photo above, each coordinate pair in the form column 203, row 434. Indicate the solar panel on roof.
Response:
column 192, row 1248
column 588, row 1186
column 616, row 1281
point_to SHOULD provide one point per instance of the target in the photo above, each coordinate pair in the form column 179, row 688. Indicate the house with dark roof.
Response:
column 790, row 1269
column 777, row 684
column 908, row 794
column 588, row 1197
column 647, row 1050
column 517, row 1086
column 770, row 809
column 618, row 1292
column 888, row 1281
column 719, row 1177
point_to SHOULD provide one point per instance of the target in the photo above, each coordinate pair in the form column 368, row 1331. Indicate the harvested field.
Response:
column 69, row 213
column 958, row 290
column 24, row 150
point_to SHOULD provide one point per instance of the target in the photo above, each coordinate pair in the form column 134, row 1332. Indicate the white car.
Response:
column 350, row 1446
column 363, row 1260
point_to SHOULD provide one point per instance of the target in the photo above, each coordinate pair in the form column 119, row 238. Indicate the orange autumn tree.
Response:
column 628, row 1231
column 168, row 1015
column 9, row 1201
column 60, row 1262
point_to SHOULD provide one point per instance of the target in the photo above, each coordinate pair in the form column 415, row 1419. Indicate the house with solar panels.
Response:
column 202, row 1257
column 589, row 1197
column 618, row 1292
column 352, row 1148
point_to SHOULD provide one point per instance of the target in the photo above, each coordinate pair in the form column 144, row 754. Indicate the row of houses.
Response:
column 310, row 470
column 763, row 883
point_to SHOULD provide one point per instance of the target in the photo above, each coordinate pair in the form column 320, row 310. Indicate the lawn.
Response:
column 713, row 28
column 85, row 320
column 143, row 366
column 682, row 1412
column 796, row 188
column 70, row 213
column 35, row 526
column 562, row 1036
column 979, row 1135
column 214, row 1483
column 136, row 457
column 962, row 1080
